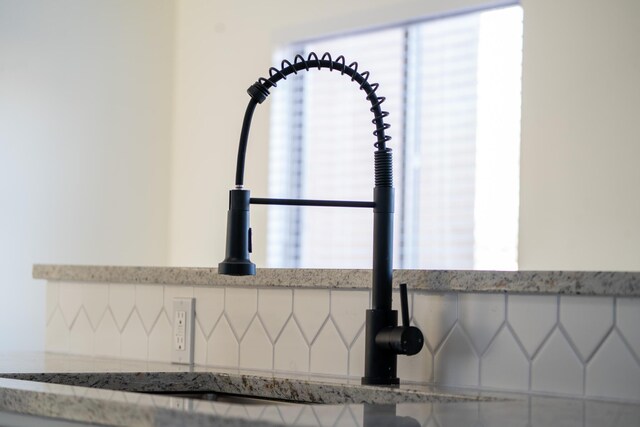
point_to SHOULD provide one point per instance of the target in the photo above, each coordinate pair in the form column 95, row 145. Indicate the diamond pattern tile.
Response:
column 311, row 309
column 579, row 352
column 356, row 356
column 328, row 352
column 613, row 371
column 149, row 304
column 456, row 362
column 628, row 321
column 587, row 320
column 256, row 351
column 416, row 368
column 107, row 337
column 95, row 300
column 222, row 348
column 240, row 306
column 53, row 290
column 274, row 308
column 199, row 346
column 81, row 335
column 70, row 301
column 481, row 315
column 57, row 333
column 134, row 339
column 159, row 339
column 435, row 315
column 557, row 368
column 532, row 317
column 121, row 302
column 348, row 310
column 209, row 307
column 504, row 365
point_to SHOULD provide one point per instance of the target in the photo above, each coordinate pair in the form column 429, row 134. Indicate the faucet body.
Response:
column 384, row 339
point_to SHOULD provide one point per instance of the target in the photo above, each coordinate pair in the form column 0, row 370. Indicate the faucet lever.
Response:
column 404, row 305
column 405, row 339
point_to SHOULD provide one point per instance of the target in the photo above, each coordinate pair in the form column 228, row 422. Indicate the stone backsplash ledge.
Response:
column 549, row 343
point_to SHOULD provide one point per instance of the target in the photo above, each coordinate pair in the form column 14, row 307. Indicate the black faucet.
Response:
column 384, row 339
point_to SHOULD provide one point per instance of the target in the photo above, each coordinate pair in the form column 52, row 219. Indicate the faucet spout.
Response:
column 384, row 339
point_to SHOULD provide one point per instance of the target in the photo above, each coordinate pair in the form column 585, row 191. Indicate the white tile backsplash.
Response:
column 134, row 342
column 241, row 306
column 532, row 317
column 95, row 300
column 613, row 371
column 57, row 333
column 122, row 299
column 481, row 315
column 256, row 350
column 274, row 309
column 329, row 353
column 70, row 301
column 291, row 352
column 348, row 311
column 53, row 292
column 587, row 321
column 81, row 336
column 311, row 309
column 571, row 345
column 557, row 368
column 159, row 345
column 222, row 347
column 107, row 337
column 435, row 315
column 504, row 365
column 149, row 304
column 628, row 322
column 456, row 362
column 209, row 307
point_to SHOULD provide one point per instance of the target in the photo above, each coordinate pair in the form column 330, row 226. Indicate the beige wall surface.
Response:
column 580, row 176
column 85, row 128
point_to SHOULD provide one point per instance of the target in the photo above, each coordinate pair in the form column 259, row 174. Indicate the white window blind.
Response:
column 452, row 87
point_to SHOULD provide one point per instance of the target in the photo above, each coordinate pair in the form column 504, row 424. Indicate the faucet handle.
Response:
column 404, row 305
column 405, row 339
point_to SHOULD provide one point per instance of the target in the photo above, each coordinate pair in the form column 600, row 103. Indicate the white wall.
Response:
column 85, row 129
column 580, row 176
column 581, row 100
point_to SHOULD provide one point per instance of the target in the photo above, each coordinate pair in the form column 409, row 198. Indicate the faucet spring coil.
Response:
column 383, row 165
column 260, row 89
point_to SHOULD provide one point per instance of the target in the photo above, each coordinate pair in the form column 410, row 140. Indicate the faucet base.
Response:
column 380, row 364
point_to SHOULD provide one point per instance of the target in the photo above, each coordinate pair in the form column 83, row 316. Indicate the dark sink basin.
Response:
column 229, row 398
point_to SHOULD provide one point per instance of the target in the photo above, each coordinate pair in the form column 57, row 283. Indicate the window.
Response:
column 452, row 88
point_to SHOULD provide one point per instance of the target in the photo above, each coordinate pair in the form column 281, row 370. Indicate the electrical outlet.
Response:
column 184, row 310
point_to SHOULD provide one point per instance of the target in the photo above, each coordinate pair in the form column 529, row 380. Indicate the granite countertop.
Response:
column 102, row 391
column 521, row 282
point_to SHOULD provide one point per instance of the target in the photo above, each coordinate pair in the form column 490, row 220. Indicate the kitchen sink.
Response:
column 241, row 399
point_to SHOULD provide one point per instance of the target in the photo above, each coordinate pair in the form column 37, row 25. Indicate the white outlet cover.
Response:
column 182, row 336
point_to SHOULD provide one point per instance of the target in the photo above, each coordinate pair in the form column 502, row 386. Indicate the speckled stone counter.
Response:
column 97, row 391
column 517, row 282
